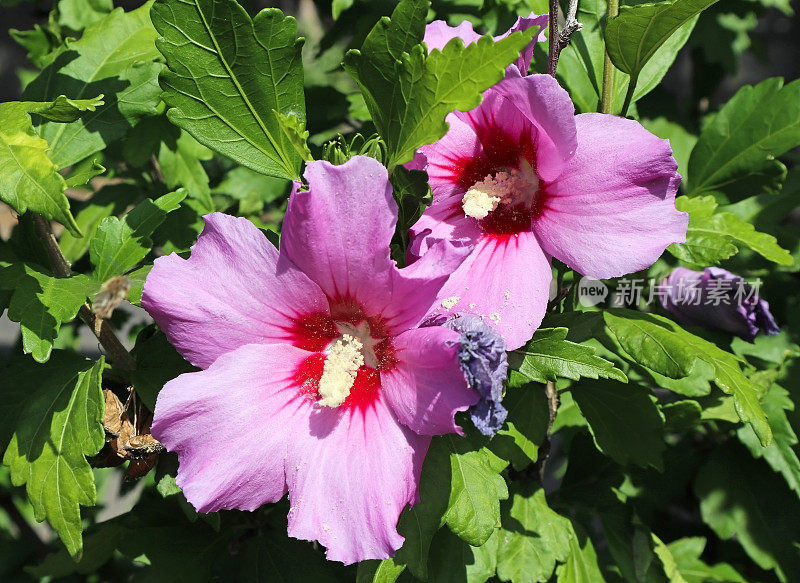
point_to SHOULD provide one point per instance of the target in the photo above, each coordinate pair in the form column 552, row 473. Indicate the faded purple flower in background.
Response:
column 718, row 300
column 483, row 358
column 317, row 377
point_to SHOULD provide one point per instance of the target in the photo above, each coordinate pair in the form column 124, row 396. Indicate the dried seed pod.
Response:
column 114, row 414
column 144, row 445
column 110, row 296
column 138, row 468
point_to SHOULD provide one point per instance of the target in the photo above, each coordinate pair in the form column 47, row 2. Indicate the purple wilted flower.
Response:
column 718, row 300
column 482, row 354
column 521, row 179
column 317, row 377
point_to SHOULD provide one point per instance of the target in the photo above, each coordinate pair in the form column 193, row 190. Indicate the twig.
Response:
column 559, row 40
column 552, row 410
column 607, row 98
column 121, row 358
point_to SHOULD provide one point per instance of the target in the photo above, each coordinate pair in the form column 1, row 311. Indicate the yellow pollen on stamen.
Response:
column 478, row 203
column 344, row 358
column 516, row 186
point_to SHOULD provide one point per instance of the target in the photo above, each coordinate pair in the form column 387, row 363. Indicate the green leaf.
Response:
column 713, row 236
column 581, row 564
column 581, row 64
column 78, row 14
column 181, row 166
column 110, row 200
column 58, row 424
column 476, row 488
column 634, row 36
column 295, row 131
column 617, row 412
column 549, row 355
column 41, row 303
column 121, row 243
column 30, row 179
column 157, row 362
column 409, row 93
column 661, row 345
column 686, row 554
column 272, row 557
column 525, row 428
column 115, row 57
column 667, row 560
column 83, row 172
column 227, row 76
column 742, row 500
column 780, row 454
column 419, row 523
column 533, row 539
column 63, row 109
column 756, row 126
column 374, row 571
column 681, row 141
column 454, row 561
column 681, row 415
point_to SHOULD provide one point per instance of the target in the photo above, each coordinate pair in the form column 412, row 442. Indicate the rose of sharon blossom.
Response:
column 317, row 379
column 718, row 300
column 521, row 179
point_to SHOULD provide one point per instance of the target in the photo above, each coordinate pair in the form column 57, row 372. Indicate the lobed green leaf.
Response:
column 227, row 76
column 58, row 423
column 713, row 236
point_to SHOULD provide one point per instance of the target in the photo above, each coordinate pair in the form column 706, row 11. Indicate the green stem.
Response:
column 606, row 101
column 629, row 95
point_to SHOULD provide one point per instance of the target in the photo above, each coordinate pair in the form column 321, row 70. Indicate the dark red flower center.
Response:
column 350, row 349
column 501, row 187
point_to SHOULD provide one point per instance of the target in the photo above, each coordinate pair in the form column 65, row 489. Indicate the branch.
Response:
column 559, row 40
column 552, row 410
column 121, row 358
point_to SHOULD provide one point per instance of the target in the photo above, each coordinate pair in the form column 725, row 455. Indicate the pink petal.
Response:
column 233, row 290
column 492, row 137
column 427, row 387
column 506, row 280
column 612, row 211
column 349, row 478
column 415, row 288
column 438, row 34
column 548, row 107
column 338, row 232
column 229, row 425
column 443, row 220
column 523, row 63
column 449, row 157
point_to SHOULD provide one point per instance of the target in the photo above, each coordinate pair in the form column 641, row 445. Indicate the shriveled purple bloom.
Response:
column 483, row 359
column 718, row 300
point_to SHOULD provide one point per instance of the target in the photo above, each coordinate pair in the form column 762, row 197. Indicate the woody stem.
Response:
column 121, row 358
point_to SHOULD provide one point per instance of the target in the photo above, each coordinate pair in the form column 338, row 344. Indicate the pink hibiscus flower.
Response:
column 317, row 379
column 521, row 179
